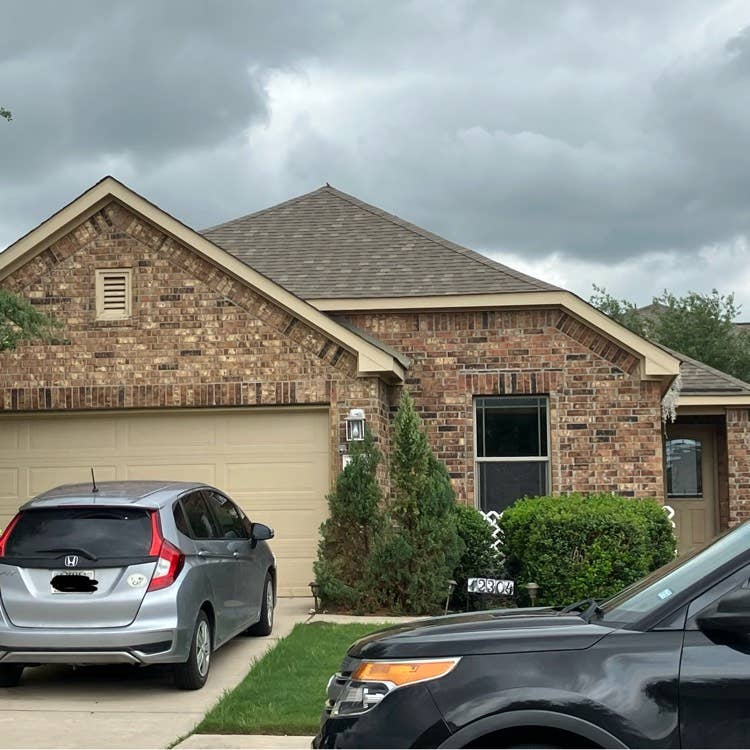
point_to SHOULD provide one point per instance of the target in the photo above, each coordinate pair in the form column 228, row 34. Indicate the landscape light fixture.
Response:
column 355, row 425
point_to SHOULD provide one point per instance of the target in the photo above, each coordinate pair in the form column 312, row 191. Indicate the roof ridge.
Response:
column 426, row 234
column 253, row 214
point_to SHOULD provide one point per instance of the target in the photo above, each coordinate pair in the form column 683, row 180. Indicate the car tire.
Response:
column 10, row 674
column 264, row 626
column 193, row 673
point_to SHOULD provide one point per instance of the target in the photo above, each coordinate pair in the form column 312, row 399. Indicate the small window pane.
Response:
column 502, row 483
column 180, row 520
column 684, row 475
column 511, row 427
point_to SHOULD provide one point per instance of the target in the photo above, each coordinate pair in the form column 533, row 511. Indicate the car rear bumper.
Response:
column 128, row 645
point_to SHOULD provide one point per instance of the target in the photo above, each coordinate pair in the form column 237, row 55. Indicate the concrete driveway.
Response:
column 125, row 707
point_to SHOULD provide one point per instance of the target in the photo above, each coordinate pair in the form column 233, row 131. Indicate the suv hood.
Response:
column 491, row 632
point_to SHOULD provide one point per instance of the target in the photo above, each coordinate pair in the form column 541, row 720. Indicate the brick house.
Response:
column 234, row 356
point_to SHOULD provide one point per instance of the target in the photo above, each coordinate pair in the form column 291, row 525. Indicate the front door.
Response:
column 691, row 479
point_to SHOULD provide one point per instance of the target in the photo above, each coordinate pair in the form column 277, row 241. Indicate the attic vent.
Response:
column 113, row 294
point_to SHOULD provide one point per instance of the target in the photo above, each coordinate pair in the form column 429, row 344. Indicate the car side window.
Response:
column 739, row 579
column 180, row 520
column 227, row 516
column 199, row 516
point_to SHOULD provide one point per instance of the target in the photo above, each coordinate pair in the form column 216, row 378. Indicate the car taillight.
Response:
column 6, row 534
column 170, row 561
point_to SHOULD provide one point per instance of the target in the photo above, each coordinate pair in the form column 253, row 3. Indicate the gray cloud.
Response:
column 598, row 135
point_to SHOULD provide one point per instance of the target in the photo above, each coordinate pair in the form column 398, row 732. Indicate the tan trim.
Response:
column 728, row 400
column 370, row 359
column 166, row 409
column 656, row 362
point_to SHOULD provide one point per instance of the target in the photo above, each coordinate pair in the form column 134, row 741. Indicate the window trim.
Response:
column 101, row 313
column 509, row 459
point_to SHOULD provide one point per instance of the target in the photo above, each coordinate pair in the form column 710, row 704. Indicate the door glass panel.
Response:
column 684, row 475
column 227, row 516
column 199, row 516
column 501, row 484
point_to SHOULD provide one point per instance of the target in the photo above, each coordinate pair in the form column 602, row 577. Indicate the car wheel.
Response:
column 10, row 674
column 193, row 673
column 264, row 626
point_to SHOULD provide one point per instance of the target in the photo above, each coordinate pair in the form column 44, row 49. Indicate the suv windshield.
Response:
column 663, row 584
column 94, row 532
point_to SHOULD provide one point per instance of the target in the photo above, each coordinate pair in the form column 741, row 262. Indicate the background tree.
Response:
column 21, row 321
column 6, row 114
column 698, row 325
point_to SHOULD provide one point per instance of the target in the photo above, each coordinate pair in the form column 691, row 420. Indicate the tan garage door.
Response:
column 274, row 463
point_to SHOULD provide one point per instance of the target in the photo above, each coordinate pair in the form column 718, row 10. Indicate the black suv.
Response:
column 665, row 663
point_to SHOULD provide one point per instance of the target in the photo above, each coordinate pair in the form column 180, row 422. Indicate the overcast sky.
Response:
column 581, row 142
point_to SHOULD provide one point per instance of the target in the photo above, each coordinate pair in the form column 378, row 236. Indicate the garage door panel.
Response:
column 270, row 431
column 277, row 476
column 55, row 436
column 172, row 472
column 42, row 478
column 9, row 436
column 274, row 463
column 159, row 432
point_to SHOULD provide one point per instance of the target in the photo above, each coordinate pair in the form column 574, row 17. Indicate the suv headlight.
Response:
column 374, row 680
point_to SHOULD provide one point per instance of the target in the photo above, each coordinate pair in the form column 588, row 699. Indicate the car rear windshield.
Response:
column 92, row 533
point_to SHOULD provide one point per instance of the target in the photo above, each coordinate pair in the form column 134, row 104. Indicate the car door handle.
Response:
column 203, row 553
column 235, row 554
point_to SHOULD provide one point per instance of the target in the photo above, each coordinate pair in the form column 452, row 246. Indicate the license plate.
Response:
column 85, row 573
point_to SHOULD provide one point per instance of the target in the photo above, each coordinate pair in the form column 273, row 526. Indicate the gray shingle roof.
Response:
column 700, row 378
column 327, row 244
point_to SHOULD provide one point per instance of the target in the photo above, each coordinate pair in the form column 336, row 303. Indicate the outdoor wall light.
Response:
column 355, row 425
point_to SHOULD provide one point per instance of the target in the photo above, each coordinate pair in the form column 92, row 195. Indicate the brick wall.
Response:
column 197, row 338
column 605, row 422
column 738, row 465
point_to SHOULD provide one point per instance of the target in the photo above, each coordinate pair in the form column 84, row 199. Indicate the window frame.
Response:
column 547, row 460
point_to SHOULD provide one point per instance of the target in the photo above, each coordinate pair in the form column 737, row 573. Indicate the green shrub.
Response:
column 579, row 546
column 355, row 520
column 479, row 558
column 418, row 552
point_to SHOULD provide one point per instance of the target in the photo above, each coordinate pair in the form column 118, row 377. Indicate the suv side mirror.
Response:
column 261, row 532
column 730, row 615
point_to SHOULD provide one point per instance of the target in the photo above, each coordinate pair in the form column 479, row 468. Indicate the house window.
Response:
column 512, row 450
column 113, row 293
column 684, row 475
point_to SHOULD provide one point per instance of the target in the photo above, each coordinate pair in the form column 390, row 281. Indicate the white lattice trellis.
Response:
column 493, row 517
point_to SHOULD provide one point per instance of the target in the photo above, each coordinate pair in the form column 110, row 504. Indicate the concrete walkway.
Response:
column 125, row 707
column 240, row 741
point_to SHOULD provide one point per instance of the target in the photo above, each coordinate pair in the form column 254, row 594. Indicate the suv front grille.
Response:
column 337, row 682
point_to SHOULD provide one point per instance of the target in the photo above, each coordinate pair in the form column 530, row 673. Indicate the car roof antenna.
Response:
column 94, row 488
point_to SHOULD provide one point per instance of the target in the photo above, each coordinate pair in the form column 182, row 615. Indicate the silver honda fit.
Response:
column 131, row 572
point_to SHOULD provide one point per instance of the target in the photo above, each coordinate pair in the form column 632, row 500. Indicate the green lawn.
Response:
column 284, row 692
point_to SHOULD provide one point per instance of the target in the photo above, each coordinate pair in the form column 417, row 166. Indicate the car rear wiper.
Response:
column 73, row 550
column 589, row 606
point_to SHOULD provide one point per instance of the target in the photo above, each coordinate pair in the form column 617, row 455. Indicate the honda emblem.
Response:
column 71, row 561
